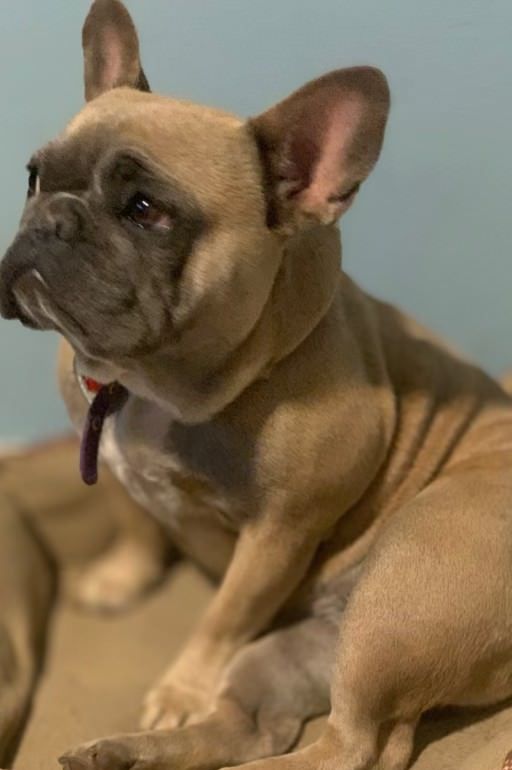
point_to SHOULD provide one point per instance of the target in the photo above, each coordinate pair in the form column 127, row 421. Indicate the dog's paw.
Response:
column 117, row 580
column 170, row 705
column 118, row 753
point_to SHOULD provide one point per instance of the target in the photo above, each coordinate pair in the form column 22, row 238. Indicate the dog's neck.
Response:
column 305, row 287
column 302, row 293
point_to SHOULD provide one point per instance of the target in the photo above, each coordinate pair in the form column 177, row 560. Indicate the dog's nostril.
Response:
column 66, row 227
column 64, row 218
column 60, row 230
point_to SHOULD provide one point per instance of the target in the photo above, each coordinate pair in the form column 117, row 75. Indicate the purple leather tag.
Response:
column 109, row 399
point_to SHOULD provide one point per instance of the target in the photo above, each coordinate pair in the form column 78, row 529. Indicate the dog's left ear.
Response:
column 320, row 143
column 111, row 50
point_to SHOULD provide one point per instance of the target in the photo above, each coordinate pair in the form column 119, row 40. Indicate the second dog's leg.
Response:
column 133, row 564
column 26, row 592
column 271, row 688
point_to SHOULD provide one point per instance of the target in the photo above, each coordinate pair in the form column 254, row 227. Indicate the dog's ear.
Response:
column 320, row 143
column 111, row 50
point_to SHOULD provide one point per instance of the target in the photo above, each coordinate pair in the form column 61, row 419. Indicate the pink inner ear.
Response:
column 330, row 174
column 112, row 53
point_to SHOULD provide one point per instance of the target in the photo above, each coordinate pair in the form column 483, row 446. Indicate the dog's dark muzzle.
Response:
column 40, row 251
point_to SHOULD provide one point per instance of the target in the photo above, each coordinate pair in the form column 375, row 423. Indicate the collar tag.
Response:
column 103, row 400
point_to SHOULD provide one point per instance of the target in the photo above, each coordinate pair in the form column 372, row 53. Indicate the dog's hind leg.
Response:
column 272, row 687
column 26, row 592
column 428, row 624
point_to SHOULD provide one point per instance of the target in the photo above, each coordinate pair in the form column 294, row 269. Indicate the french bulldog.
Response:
column 338, row 470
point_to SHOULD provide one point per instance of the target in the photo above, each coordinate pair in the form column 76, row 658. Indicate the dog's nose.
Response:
column 50, row 230
column 64, row 217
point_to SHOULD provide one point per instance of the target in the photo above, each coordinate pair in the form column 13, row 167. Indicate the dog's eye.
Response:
column 33, row 182
column 146, row 214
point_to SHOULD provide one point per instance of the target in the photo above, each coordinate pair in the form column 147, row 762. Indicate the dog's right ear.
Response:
column 319, row 144
column 111, row 50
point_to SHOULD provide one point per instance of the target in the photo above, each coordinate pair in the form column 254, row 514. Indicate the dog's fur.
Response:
column 342, row 474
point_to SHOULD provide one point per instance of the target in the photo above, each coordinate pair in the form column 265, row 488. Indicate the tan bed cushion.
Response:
column 97, row 669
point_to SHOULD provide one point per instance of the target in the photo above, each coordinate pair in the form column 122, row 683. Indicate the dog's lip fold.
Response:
column 30, row 301
column 10, row 305
column 38, row 277
column 30, row 291
column 29, row 280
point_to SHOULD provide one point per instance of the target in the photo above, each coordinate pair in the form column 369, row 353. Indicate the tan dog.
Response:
column 344, row 476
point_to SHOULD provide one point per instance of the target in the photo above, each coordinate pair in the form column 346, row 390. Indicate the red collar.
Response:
column 93, row 386
column 89, row 386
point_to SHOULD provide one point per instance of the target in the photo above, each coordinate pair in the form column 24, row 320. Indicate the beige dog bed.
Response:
column 95, row 670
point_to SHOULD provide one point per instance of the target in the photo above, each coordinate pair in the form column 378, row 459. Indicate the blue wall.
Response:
column 431, row 229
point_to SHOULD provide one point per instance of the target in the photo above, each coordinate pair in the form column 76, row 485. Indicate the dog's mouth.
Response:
column 27, row 301
column 31, row 302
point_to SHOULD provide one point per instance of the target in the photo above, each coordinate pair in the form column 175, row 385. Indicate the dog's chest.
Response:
column 170, row 471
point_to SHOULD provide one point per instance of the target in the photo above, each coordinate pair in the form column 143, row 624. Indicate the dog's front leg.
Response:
column 271, row 557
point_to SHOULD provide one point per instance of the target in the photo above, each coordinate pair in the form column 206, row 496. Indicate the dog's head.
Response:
column 155, row 229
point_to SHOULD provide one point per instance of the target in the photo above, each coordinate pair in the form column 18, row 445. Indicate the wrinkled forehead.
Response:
column 208, row 152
